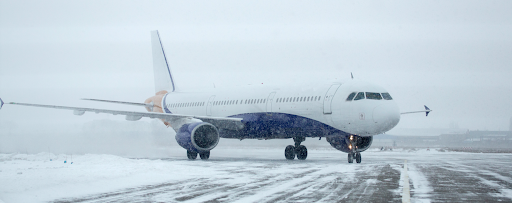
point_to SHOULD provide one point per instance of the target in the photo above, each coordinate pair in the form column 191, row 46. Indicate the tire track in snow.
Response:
column 454, row 184
column 491, row 178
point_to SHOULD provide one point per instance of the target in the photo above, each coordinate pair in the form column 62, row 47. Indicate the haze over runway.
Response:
column 452, row 56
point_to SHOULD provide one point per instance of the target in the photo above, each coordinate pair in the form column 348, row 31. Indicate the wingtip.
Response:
column 427, row 110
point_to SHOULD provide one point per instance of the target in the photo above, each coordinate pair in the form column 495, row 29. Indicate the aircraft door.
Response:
column 270, row 99
column 209, row 106
column 328, row 98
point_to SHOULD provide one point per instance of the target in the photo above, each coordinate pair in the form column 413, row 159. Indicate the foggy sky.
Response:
column 453, row 56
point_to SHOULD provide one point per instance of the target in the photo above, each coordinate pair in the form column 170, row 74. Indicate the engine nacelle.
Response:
column 341, row 143
column 198, row 137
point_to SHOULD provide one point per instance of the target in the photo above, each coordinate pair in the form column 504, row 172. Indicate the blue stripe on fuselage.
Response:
column 279, row 125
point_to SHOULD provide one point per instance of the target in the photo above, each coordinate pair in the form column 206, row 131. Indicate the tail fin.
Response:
column 163, row 76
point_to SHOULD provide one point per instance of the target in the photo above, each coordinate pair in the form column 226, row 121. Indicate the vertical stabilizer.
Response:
column 163, row 76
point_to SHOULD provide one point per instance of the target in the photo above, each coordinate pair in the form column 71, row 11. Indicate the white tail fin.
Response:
column 163, row 76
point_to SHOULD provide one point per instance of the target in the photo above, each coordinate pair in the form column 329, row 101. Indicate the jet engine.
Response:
column 198, row 137
column 342, row 143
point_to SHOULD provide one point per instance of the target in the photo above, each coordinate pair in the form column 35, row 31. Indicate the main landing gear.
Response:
column 193, row 155
column 353, row 154
column 298, row 150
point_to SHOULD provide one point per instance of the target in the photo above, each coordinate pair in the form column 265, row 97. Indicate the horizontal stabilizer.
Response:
column 1, row 103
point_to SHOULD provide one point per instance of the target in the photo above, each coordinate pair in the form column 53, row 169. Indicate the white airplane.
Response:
column 347, row 114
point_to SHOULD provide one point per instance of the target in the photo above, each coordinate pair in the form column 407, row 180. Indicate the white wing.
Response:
column 219, row 122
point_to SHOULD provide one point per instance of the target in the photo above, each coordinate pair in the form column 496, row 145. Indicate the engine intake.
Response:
column 198, row 137
column 341, row 143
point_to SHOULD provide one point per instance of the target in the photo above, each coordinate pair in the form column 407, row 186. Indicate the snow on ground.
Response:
column 256, row 175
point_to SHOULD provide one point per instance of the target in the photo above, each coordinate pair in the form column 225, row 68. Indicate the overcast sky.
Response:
column 453, row 56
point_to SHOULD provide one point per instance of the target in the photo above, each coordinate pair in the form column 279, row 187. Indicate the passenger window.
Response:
column 359, row 96
column 300, row 98
column 351, row 96
column 373, row 95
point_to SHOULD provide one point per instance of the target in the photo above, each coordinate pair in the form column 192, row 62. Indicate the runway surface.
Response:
column 260, row 175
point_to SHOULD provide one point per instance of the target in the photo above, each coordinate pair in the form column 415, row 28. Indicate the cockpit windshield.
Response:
column 386, row 96
column 359, row 96
column 369, row 95
column 373, row 95
column 351, row 96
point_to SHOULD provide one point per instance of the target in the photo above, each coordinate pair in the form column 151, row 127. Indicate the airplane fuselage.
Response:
column 311, row 111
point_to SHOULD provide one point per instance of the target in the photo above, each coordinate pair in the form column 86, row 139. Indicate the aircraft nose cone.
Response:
column 386, row 116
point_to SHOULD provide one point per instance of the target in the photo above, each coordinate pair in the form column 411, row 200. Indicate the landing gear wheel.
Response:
column 358, row 157
column 191, row 155
column 205, row 155
column 302, row 152
column 289, row 152
column 350, row 158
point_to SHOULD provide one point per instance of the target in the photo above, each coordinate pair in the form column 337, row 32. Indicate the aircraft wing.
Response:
column 219, row 122
column 427, row 111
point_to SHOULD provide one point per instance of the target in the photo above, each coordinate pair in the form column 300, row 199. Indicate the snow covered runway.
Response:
column 258, row 175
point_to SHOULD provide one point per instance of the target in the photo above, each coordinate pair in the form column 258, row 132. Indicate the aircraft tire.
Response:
column 302, row 152
column 191, row 155
column 350, row 158
column 289, row 152
column 205, row 155
column 358, row 157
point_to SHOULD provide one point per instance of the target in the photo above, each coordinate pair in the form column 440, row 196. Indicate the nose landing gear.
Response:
column 356, row 156
column 353, row 148
column 298, row 150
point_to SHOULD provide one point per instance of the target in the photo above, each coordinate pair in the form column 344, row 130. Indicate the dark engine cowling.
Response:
column 341, row 143
column 198, row 137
